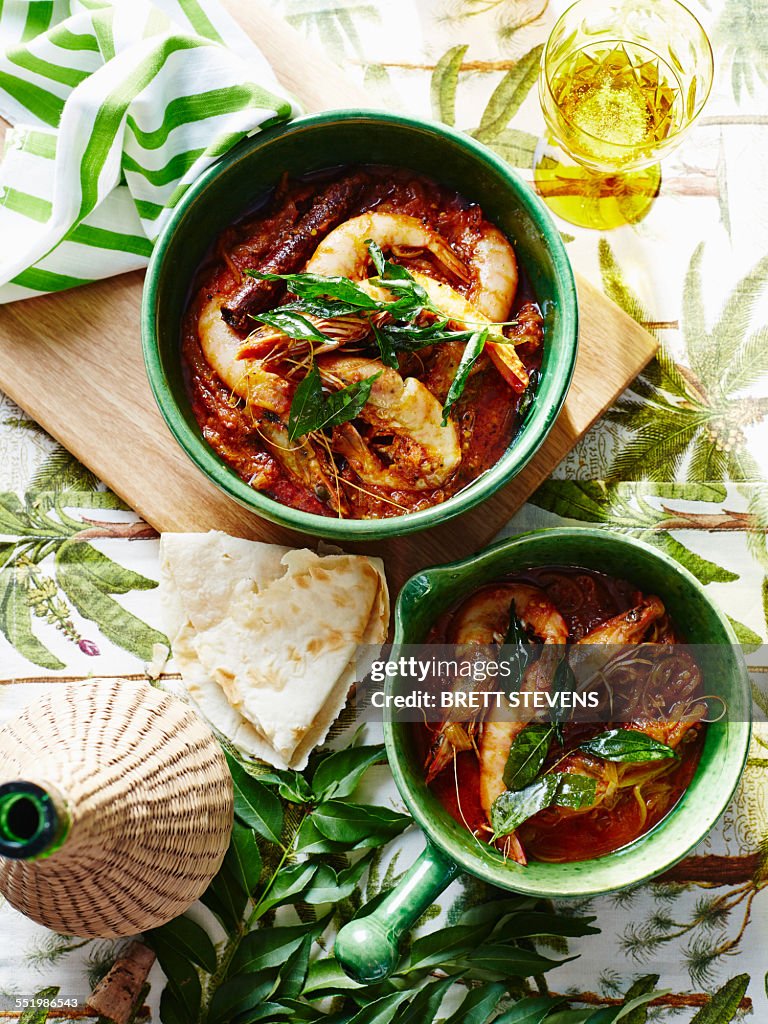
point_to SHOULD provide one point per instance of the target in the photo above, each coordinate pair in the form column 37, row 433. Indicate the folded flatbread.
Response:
column 266, row 638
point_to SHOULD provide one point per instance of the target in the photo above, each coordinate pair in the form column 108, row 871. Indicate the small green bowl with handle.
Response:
column 236, row 184
column 368, row 947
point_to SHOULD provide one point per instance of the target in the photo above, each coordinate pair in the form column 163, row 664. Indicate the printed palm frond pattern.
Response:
column 49, row 567
column 741, row 39
column 689, row 421
column 514, row 145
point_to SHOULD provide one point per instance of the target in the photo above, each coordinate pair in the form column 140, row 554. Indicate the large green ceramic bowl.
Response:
column 241, row 179
column 368, row 948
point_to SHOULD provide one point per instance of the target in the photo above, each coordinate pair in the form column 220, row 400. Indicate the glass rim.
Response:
column 709, row 53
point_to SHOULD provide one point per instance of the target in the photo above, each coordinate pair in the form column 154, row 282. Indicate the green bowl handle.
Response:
column 368, row 948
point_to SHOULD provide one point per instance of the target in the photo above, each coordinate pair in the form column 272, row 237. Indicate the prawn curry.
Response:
column 363, row 346
column 563, row 788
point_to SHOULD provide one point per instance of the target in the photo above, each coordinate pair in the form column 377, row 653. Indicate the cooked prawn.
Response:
column 344, row 251
column 484, row 620
column 261, row 389
column 495, row 274
column 422, row 453
column 499, row 734
column 461, row 313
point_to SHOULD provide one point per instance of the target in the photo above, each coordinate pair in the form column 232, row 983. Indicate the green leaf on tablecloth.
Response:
column 172, row 1009
column 339, row 773
column 478, row 1004
column 183, row 979
column 424, row 1006
column 380, row 1011
column 639, row 1014
column 445, row 79
column 508, row 96
column 293, row 974
column 533, row 1010
column 356, row 823
column 225, row 898
column 187, row 938
column 255, row 804
column 725, row 1003
column 271, row 947
column 287, row 884
column 504, row 961
column 291, row 785
column 39, row 1014
column 330, row 886
column 238, row 994
column 243, row 858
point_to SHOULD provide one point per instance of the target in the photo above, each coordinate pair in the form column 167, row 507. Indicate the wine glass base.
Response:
column 587, row 198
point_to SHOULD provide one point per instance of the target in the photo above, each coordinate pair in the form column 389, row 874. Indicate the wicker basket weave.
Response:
column 149, row 800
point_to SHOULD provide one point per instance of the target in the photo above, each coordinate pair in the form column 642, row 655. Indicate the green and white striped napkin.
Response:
column 117, row 106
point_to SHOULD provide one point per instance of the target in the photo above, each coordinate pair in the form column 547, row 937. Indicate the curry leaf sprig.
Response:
column 529, row 791
column 393, row 324
column 300, row 849
column 311, row 409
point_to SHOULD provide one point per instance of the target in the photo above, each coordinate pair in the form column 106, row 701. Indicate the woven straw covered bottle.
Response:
column 115, row 808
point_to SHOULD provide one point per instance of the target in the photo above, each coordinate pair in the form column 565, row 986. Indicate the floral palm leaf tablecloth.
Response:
column 681, row 460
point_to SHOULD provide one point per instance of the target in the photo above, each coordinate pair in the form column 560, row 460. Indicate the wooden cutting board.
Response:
column 73, row 362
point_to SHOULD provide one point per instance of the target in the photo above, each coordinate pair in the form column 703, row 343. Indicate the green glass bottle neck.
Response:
column 33, row 822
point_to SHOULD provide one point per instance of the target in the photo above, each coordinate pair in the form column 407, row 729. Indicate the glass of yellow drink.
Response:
column 621, row 83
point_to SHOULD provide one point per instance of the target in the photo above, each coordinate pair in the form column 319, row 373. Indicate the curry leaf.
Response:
column 293, row 975
column 478, row 1004
column 187, row 937
column 312, row 410
column 380, row 1011
column 244, row 858
column 354, row 823
column 338, row 774
column 238, row 994
column 532, row 1010
column 472, row 352
column 292, row 324
column 271, row 947
column 627, row 745
column 255, row 804
column 183, row 979
column 314, row 286
column 288, row 883
column 512, row 808
column 516, row 651
column 563, row 682
column 529, row 396
column 226, row 898
column 330, row 886
column 423, row 1008
column 527, row 755
column 574, row 791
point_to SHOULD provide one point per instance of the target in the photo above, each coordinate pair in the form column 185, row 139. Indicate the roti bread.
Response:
column 266, row 637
